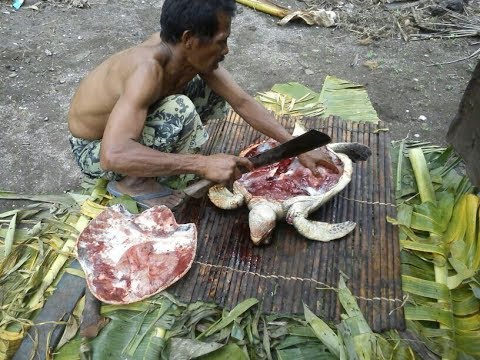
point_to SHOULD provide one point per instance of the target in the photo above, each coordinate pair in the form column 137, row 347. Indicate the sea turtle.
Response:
column 287, row 190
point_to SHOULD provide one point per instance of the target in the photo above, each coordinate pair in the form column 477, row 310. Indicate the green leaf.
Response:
column 185, row 349
column 116, row 339
column 371, row 346
column 229, row 351
column 127, row 201
column 422, row 175
column 69, row 351
column 404, row 215
column 266, row 341
column 326, row 335
column 165, row 306
column 430, row 217
column 351, row 307
column 64, row 199
column 290, row 341
column 232, row 315
column 305, row 331
column 429, row 248
column 9, row 238
column 475, row 290
column 294, row 90
column 466, row 306
column 79, row 198
column 291, row 98
column 237, row 331
column 9, row 213
column 306, row 352
column 346, row 100
column 429, row 313
column 469, row 344
column 426, row 288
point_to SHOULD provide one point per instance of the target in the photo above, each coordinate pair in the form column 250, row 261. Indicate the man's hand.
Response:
column 224, row 169
column 315, row 158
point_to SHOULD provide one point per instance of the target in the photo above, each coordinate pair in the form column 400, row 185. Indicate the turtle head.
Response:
column 262, row 220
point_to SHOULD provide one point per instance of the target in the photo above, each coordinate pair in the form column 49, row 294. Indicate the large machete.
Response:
column 310, row 140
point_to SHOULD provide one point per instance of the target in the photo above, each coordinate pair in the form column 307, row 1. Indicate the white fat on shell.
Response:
column 118, row 242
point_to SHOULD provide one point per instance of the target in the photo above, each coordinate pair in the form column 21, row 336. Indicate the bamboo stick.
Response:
column 270, row 9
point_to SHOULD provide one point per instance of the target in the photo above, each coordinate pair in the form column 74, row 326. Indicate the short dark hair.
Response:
column 198, row 16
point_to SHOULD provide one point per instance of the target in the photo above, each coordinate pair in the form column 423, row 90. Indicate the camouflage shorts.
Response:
column 173, row 125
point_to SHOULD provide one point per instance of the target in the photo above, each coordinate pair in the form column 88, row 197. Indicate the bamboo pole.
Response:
column 267, row 8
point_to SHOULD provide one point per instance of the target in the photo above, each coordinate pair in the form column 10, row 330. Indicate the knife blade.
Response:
column 310, row 140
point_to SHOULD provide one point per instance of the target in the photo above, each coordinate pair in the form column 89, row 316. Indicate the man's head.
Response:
column 199, row 17
column 200, row 28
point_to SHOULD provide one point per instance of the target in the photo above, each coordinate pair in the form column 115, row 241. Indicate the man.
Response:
column 137, row 119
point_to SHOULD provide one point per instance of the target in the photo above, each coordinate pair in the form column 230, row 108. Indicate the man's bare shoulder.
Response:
column 152, row 40
column 145, row 53
column 145, row 58
column 143, row 63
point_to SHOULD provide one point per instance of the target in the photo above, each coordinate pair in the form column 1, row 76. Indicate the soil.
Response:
column 44, row 54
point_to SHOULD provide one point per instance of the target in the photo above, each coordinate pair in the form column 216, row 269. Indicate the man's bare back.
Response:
column 100, row 90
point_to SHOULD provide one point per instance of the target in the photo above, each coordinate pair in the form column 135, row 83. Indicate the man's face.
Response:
column 205, row 56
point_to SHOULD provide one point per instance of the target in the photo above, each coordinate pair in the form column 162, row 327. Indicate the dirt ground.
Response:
column 44, row 54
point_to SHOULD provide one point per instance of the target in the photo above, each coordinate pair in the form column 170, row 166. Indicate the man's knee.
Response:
column 172, row 120
column 184, row 105
column 175, row 110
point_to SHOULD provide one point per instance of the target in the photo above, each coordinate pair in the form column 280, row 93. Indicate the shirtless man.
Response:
column 137, row 119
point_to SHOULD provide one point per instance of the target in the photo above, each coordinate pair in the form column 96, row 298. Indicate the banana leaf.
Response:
column 426, row 288
column 229, row 351
column 70, row 351
column 130, row 335
column 292, row 341
column 297, row 330
column 64, row 199
column 346, row 100
column 10, row 236
column 230, row 317
column 337, row 97
column 185, row 349
column 306, row 352
column 439, row 227
column 323, row 332
column 291, row 98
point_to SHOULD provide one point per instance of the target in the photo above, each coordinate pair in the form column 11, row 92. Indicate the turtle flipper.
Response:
column 355, row 151
column 224, row 198
column 322, row 231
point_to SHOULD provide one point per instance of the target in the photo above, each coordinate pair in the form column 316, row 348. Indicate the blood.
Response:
column 103, row 284
column 246, row 255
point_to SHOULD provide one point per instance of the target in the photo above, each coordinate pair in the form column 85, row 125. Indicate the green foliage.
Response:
column 347, row 100
column 439, row 230
column 337, row 97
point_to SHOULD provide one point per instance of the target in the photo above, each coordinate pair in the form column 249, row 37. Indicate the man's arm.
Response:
column 221, row 82
column 121, row 152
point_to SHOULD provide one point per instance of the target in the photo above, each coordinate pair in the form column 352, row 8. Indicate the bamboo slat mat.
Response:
column 294, row 270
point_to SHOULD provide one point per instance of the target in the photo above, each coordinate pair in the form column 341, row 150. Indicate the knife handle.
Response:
column 198, row 189
column 201, row 187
